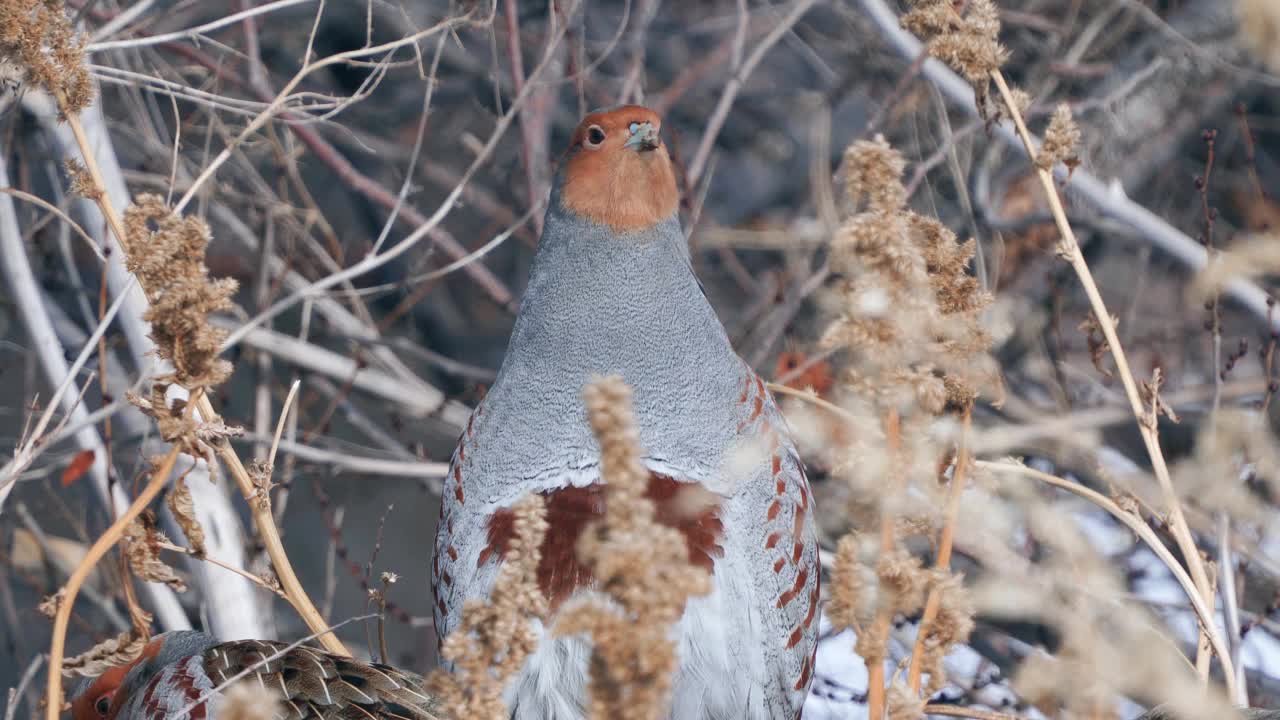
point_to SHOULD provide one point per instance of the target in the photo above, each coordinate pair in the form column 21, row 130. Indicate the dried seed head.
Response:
column 641, row 565
column 167, row 253
column 1060, row 141
column 37, row 37
column 142, row 537
column 969, row 44
column 497, row 635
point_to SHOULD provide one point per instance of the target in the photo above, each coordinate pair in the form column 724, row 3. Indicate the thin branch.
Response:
column 372, row 262
column 225, row 566
column 27, row 676
column 419, row 401
column 1070, row 248
column 342, row 460
column 1203, row 611
column 37, row 200
column 731, row 88
column 67, row 595
column 194, row 32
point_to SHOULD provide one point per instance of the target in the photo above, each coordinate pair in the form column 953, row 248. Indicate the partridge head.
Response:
column 612, row 291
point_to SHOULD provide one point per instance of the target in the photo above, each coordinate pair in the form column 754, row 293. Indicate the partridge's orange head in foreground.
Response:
column 617, row 171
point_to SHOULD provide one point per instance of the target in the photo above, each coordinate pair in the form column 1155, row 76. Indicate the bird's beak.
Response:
column 644, row 137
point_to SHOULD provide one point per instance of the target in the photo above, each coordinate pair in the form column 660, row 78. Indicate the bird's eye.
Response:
column 102, row 704
column 595, row 137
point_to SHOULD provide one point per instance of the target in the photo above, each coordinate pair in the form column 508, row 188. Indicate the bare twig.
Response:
column 1070, row 249
column 67, row 595
column 225, row 566
column 1108, row 200
column 731, row 88
column 1204, row 611
column 28, row 675
column 194, row 32
column 26, row 451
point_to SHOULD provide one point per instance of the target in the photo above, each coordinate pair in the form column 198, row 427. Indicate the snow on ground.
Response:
column 839, row 688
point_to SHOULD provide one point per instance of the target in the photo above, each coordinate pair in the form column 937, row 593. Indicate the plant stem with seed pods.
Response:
column 1070, row 249
column 884, row 612
column 943, row 562
column 106, row 541
column 261, row 511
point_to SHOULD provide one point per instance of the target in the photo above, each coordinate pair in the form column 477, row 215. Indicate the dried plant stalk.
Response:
column 66, row 597
column 260, row 506
column 643, row 567
column 1069, row 248
column 496, row 635
column 911, row 322
column 961, row 42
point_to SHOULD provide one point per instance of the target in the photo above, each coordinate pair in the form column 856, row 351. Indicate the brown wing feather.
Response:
column 315, row 684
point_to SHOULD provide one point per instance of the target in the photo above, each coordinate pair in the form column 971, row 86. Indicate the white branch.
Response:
column 240, row 610
column 418, row 401
column 26, row 297
column 1110, row 201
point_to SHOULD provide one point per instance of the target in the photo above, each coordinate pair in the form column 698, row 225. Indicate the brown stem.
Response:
column 261, row 511
column 1070, row 248
column 108, row 539
column 943, row 561
column 260, row 508
column 966, row 712
column 880, row 629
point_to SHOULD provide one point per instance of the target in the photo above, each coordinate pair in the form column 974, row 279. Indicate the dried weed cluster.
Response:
column 910, row 324
column 167, row 253
column 496, row 636
column 642, row 568
column 36, row 36
column 968, row 43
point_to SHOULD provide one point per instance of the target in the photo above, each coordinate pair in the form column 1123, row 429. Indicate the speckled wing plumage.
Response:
column 602, row 302
column 311, row 684
column 778, row 508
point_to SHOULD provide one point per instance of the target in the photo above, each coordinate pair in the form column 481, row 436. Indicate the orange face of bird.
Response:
column 618, row 172
column 97, row 702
